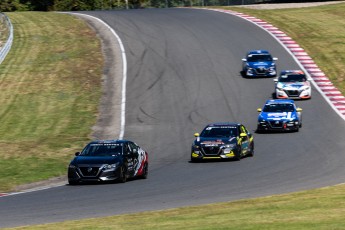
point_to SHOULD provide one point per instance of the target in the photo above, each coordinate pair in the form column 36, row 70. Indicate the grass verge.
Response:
column 316, row 209
column 50, row 86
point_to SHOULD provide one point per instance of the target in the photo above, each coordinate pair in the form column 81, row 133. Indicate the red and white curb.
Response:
column 318, row 78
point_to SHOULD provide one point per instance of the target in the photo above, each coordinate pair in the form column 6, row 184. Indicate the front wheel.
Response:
column 123, row 175
column 72, row 182
column 239, row 153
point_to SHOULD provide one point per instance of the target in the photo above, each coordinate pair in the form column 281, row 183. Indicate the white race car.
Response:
column 292, row 84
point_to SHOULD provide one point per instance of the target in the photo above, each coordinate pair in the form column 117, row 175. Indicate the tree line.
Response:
column 80, row 5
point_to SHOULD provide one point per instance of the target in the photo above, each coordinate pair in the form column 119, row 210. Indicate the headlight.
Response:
column 72, row 167
column 261, row 120
column 272, row 70
column 195, row 147
column 230, row 146
column 110, row 166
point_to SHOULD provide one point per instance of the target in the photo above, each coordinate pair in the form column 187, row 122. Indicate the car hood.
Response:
column 260, row 64
column 276, row 116
column 293, row 85
column 216, row 141
column 95, row 160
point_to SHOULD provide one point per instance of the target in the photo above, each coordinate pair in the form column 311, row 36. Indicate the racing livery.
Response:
column 279, row 115
column 222, row 141
column 292, row 84
column 259, row 63
column 108, row 160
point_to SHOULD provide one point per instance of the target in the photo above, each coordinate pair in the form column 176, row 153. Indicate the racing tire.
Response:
column 72, row 182
column 258, row 130
column 145, row 171
column 251, row 153
column 123, row 175
column 238, row 156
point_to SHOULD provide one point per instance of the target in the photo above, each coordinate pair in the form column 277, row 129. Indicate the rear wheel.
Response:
column 251, row 151
column 145, row 171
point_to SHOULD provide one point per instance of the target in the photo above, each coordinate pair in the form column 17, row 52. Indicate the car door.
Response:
column 128, row 159
column 134, row 156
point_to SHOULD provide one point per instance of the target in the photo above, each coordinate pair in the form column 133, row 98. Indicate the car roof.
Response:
column 257, row 52
column 223, row 124
column 280, row 101
column 296, row 72
column 108, row 141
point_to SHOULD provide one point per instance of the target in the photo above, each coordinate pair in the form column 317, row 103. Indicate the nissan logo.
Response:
column 89, row 169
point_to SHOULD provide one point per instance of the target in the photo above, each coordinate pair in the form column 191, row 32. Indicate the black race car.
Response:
column 222, row 141
column 108, row 160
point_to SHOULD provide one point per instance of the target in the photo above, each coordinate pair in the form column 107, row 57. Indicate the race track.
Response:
column 184, row 72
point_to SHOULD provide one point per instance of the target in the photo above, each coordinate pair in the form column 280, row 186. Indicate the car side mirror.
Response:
column 244, row 59
column 275, row 59
column 299, row 109
column 259, row 110
column 275, row 80
column 196, row 134
column 77, row 154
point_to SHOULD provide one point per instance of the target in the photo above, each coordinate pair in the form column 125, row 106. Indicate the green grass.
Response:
column 316, row 209
column 320, row 30
column 50, row 86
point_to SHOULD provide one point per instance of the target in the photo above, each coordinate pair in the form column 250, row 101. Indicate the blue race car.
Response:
column 279, row 115
column 259, row 63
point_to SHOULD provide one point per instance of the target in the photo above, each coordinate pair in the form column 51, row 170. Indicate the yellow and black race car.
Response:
column 222, row 141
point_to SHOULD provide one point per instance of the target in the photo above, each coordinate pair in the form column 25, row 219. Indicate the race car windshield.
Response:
column 101, row 150
column 219, row 132
column 278, row 108
column 260, row 57
column 293, row 78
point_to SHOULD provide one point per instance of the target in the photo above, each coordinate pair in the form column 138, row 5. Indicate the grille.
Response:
column 261, row 70
column 276, row 124
column 292, row 93
column 89, row 171
column 212, row 150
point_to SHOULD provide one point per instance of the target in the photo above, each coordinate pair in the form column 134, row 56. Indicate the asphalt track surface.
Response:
column 184, row 72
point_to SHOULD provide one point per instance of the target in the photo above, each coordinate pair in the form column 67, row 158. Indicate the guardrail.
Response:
column 7, row 46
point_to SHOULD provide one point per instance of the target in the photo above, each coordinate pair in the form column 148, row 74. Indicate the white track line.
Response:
column 124, row 74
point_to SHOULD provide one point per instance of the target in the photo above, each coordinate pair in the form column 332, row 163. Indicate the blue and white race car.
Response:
column 259, row 63
column 292, row 84
column 279, row 115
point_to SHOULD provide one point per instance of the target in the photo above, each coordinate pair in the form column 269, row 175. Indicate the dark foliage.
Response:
column 79, row 5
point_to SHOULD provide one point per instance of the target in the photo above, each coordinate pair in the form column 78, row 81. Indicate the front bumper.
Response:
column 260, row 72
column 278, row 125
column 293, row 94
column 202, row 154
column 92, row 173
